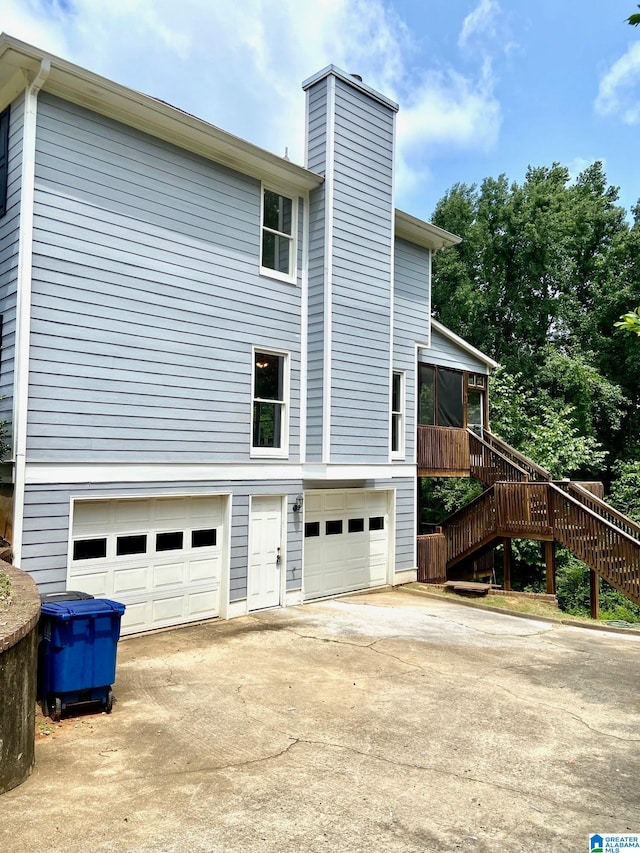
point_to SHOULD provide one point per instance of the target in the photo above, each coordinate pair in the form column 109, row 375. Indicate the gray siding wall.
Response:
column 361, row 286
column 9, row 238
column 46, row 525
column 146, row 299
column 445, row 353
column 405, row 522
column 316, row 160
column 411, row 319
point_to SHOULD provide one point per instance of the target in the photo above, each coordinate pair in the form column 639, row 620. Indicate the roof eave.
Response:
column 423, row 233
column 460, row 342
column 145, row 113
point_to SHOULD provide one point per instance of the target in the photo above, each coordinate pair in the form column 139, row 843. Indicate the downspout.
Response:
column 23, row 306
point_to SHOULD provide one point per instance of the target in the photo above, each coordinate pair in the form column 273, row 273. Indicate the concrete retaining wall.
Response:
column 18, row 666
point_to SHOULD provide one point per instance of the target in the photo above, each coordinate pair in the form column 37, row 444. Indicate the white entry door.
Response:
column 266, row 554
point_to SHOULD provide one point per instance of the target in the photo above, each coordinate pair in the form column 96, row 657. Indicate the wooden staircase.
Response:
column 522, row 501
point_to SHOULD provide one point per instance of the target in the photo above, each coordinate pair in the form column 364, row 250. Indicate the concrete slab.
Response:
column 387, row 721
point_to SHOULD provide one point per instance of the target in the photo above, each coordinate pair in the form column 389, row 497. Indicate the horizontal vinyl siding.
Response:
column 9, row 240
column 316, row 326
column 445, row 353
column 147, row 299
column 405, row 523
column 411, row 319
column 361, row 292
column 46, row 526
column 317, row 127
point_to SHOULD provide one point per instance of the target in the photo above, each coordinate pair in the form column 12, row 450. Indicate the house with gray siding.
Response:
column 214, row 361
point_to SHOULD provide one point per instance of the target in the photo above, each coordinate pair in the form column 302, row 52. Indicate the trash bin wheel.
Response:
column 108, row 705
column 56, row 710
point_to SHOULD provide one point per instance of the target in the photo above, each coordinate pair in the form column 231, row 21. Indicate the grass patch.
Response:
column 5, row 589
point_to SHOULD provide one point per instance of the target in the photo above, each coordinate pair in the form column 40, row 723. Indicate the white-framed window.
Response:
column 397, row 414
column 278, row 243
column 270, row 411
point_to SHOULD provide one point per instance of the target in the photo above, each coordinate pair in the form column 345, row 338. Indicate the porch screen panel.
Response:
column 426, row 394
column 450, row 403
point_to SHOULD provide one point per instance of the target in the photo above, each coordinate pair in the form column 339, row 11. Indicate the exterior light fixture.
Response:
column 297, row 507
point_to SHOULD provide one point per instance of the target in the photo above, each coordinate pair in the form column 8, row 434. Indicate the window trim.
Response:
column 292, row 275
column 281, row 452
column 399, row 415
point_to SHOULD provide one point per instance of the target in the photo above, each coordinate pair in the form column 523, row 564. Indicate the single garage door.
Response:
column 161, row 557
column 346, row 540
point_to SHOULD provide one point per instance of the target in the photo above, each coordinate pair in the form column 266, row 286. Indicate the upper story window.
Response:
column 4, row 160
column 270, row 413
column 397, row 414
column 278, row 230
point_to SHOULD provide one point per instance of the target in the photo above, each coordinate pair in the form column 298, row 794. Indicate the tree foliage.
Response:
column 544, row 270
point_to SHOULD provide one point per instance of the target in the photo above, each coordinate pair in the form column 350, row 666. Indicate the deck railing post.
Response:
column 594, row 594
column 550, row 566
column 506, row 563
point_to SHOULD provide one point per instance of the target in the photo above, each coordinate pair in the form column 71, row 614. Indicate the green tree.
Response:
column 543, row 271
column 630, row 322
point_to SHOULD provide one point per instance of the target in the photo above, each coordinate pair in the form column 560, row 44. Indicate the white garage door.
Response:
column 161, row 557
column 346, row 541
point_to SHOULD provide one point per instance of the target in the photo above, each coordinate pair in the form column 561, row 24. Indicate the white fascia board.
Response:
column 46, row 473
column 150, row 115
column 423, row 233
column 460, row 342
column 358, row 471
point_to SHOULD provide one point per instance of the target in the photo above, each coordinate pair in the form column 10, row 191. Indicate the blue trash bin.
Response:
column 78, row 653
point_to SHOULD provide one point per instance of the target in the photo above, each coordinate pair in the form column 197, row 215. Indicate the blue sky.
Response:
column 485, row 86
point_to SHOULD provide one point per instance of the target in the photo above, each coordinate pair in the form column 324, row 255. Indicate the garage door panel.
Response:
column 95, row 583
column 136, row 618
column 355, row 555
column 177, row 583
column 168, row 574
column 134, row 579
column 168, row 609
column 199, row 570
column 201, row 604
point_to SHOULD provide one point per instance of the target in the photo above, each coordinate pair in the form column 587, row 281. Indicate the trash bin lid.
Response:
column 83, row 607
column 67, row 595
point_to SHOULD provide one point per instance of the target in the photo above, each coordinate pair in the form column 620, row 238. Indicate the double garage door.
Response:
column 346, row 540
column 161, row 557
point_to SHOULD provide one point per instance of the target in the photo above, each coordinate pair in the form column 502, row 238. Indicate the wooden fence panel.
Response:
column 432, row 558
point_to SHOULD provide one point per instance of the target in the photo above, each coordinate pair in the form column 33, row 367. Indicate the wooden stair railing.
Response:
column 489, row 465
column 519, row 460
column 605, row 547
column 601, row 508
column 602, row 538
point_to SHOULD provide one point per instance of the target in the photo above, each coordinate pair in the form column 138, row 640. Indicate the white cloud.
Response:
column 619, row 91
column 239, row 64
column 579, row 164
column 479, row 23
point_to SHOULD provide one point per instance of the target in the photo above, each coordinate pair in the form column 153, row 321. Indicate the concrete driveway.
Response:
column 388, row 722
